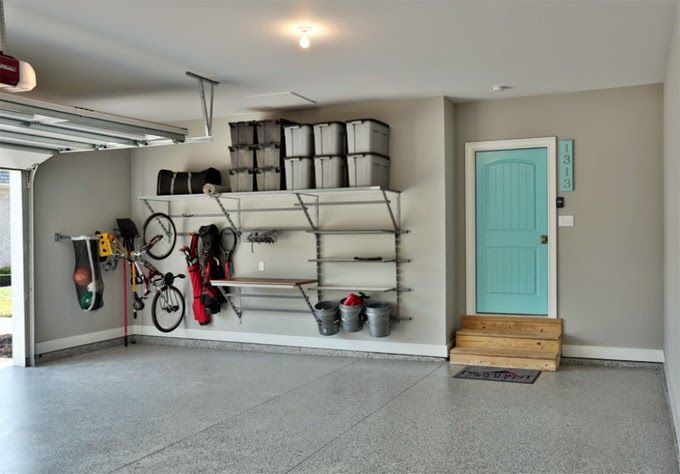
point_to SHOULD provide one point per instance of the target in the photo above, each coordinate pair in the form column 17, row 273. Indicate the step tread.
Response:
column 543, row 320
column 548, row 336
column 510, row 353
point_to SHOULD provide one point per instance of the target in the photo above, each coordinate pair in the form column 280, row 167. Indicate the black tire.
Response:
column 156, row 223
column 164, row 315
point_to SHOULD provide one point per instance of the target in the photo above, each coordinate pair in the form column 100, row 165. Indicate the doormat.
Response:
column 498, row 374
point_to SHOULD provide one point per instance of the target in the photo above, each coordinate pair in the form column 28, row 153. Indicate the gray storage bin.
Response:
column 268, row 179
column 368, row 169
column 329, row 138
column 368, row 136
column 241, row 180
column 242, row 133
column 330, row 171
column 299, row 173
column 299, row 140
column 268, row 156
column 242, row 156
column 271, row 131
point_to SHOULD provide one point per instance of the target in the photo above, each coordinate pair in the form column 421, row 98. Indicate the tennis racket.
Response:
column 228, row 241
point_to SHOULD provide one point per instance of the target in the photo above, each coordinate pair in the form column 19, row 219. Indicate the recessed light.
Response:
column 304, row 41
column 500, row 88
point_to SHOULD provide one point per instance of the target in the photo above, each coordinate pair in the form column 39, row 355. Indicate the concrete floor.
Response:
column 168, row 409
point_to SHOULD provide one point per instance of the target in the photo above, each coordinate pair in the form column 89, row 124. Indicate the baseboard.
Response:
column 613, row 353
column 378, row 346
column 79, row 340
column 674, row 405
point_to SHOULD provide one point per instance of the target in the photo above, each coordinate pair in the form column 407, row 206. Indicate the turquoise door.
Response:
column 512, row 230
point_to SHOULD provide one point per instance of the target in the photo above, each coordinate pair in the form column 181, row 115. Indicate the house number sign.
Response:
column 566, row 164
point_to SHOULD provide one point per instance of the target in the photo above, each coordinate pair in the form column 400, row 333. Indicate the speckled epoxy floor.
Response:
column 169, row 409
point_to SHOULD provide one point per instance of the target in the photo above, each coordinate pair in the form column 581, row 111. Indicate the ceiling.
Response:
column 129, row 56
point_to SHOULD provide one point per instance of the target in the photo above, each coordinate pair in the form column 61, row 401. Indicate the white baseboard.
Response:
column 74, row 341
column 385, row 347
column 613, row 353
column 673, row 402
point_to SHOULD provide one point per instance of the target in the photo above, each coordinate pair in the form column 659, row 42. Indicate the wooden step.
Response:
column 516, row 359
column 519, row 343
column 527, row 334
column 514, row 324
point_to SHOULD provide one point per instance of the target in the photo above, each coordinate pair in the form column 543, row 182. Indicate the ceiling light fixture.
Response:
column 304, row 36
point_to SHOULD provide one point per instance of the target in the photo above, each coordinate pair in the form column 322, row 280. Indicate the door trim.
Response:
column 550, row 143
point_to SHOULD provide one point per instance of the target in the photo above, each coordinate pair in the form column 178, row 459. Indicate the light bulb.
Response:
column 304, row 36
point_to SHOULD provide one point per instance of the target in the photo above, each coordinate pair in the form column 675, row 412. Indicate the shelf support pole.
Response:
column 304, row 208
column 306, row 297
column 389, row 210
column 230, row 302
column 227, row 215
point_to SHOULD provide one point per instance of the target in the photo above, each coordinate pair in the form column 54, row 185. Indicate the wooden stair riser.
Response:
column 505, row 361
column 535, row 345
column 513, row 326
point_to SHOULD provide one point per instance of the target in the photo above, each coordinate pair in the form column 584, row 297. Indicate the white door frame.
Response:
column 471, row 149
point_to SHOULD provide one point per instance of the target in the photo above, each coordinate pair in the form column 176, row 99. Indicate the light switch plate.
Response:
column 260, row 266
column 565, row 221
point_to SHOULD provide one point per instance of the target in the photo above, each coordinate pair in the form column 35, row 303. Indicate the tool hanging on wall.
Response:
column 262, row 237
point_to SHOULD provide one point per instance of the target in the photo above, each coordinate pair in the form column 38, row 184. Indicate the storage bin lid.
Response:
column 325, row 157
column 368, row 154
column 241, row 170
column 262, row 146
column 239, row 124
column 299, row 158
column 298, row 125
column 240, row 147
column 279, row 121
column 368, row 120
column 276, row 169
column 328, row 123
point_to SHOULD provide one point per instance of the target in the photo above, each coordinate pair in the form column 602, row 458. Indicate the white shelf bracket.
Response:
column 207, row 105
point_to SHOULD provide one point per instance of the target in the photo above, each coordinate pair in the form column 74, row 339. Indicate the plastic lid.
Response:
column 329, row 156
column 367, row 120
column 329, row 123
column 241, row 170
column 368, row 154
column 260, row 146
column 241, row 147
column 298, row 125
column 299, row 158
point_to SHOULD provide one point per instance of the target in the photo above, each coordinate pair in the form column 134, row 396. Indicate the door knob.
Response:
column 544, row 239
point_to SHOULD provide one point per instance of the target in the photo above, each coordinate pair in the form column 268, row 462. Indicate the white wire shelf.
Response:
column 359, row 260
column 376, row 289
column 286, row 192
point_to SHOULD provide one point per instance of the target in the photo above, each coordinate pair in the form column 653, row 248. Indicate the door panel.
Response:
column 511, row 218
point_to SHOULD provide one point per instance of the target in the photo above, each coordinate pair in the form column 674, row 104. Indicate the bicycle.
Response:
column 168, row 306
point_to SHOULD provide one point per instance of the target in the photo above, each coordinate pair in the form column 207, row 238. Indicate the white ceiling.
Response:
column 129, row 56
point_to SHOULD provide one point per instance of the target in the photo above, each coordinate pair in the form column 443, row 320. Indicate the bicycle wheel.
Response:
column 168, row 308
column 160, row 224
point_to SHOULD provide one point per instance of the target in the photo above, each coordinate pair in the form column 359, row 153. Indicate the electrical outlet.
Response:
column 260, row 266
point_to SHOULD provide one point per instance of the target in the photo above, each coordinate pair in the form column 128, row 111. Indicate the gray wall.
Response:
column 610, row 268
column 417, row 157
column 76, row 194
column 672, row 223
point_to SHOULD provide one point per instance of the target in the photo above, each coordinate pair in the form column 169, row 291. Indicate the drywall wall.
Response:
column 610, row 267
column 671, row 206
column 417, row 157
column 76, row 194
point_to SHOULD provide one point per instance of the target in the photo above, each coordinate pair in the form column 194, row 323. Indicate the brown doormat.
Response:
column 498, row 374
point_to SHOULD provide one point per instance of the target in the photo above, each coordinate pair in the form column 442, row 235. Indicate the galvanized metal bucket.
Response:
column 326, row 315
column 351, row 317
column 378, row 315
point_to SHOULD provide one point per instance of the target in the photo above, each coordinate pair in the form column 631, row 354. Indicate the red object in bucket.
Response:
column 353, row 300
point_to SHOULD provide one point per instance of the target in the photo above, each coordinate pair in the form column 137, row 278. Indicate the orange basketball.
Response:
column 82, row 276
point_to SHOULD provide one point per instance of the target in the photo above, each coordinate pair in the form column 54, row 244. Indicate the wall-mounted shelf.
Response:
column 277, row 283
column 308, row 203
